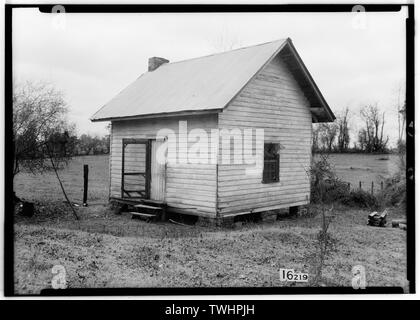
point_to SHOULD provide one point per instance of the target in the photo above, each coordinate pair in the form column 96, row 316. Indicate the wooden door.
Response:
column 157, row 172
column 135, row 168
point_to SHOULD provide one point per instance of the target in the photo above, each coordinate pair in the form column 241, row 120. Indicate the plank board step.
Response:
column 153, row 202
column 143, row 206
column 141, row 214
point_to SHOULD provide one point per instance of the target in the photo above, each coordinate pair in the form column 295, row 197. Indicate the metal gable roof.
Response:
column 201, row 84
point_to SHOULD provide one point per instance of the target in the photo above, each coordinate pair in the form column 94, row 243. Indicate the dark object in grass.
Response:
column 377, row 220
column 399, row 223
column 26, row 209
column 118, row 208
column 383, row 158
column 85, row 184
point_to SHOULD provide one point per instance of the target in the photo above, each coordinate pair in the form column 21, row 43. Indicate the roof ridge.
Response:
column 200, row 86
column 223, row 52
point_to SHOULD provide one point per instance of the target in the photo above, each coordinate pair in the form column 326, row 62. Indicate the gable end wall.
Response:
column 274, row 101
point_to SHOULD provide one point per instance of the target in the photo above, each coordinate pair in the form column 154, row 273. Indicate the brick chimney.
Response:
column 156, row 62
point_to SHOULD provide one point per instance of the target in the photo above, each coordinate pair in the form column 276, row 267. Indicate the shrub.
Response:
column 320, row 172
column 395, row 191
column 325, row 186
column 329, row 191
column 360, row 199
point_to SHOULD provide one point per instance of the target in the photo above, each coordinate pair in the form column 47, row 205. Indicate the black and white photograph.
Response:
column 268, row 149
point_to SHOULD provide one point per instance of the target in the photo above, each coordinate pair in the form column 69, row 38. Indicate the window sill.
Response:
column 268, row 182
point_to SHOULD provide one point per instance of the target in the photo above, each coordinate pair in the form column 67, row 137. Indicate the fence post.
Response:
column 85, row 184
column 360, row 185
column 371, row 189
column 382, row 185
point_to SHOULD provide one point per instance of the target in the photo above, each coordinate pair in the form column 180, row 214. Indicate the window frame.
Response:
column 265, row 179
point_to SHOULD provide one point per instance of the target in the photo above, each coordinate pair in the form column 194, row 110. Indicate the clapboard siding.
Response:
column 274, row 101
column 190, row 188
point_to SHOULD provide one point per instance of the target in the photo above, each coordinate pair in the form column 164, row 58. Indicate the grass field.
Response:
column 107, row 250
column 47, row 188
column 364, row 167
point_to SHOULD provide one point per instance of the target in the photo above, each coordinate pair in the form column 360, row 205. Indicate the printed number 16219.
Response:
column 291, row 275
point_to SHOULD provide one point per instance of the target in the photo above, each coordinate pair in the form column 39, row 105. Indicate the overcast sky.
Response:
column 92, row 57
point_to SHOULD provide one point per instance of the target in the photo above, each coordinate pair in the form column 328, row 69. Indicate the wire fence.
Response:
column 369, row 186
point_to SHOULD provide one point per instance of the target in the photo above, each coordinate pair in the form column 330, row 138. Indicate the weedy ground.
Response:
column 105, row 250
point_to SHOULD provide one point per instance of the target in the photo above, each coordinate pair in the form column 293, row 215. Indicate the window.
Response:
column 271, row 170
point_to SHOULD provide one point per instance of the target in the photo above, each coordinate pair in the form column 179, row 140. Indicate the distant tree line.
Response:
column 371, row 138
column 89, row 145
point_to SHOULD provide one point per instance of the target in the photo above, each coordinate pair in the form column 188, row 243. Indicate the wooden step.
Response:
column 142, row 214
column 156, row 203
column 143, row 206
column 146, row 216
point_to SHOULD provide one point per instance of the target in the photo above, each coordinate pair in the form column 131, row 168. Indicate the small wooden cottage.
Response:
column 188, row 108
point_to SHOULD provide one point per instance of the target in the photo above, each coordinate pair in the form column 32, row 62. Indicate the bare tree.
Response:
column 315, row 138
column 328, row 134
column 362, row 139
column 226, row 40
column 40, row 128
column 88, row 144
column 371, row 137
column 343, row 139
